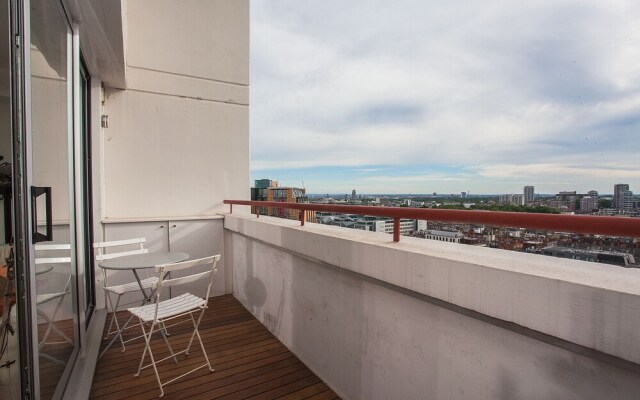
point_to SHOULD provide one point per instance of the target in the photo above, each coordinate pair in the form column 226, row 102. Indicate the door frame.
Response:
column 20, row 82
column 25, row 311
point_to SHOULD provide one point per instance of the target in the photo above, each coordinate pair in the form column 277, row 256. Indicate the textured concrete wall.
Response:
column 372, row 340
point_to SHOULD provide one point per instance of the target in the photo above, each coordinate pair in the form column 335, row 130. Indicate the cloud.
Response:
column 413, row 178
column 358, row 83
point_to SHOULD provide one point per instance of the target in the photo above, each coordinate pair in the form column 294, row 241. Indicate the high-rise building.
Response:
column 353, row 194
column 622, row 197
column 588, row 204
column 289, row 195
column 265, row 183
column 564, row 201
column 517, row 199
column 514, row 199
column 529, row 195
column 260, row 193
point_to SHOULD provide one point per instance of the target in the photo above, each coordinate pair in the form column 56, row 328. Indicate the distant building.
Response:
column 463, row 195
column 444, row 236
column 288, row 195
column 588, row 204
column 260, row 192
column 622, row 197
column 564, row 201
column 268, row 190
column 353, row 194
column 504, row 198
column 368, row 223
column 514, row 199
column 606, row 257
column 265, row 183
column 517, row 200
column 529, row 195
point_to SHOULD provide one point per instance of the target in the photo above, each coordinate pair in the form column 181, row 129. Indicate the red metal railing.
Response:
column 611, row 226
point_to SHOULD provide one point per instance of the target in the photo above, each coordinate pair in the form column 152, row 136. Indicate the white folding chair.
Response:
column 161, row 312
column 103, row 253
column 42, row 299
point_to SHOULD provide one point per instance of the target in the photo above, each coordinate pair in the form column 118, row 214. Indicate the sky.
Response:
column 446, row 96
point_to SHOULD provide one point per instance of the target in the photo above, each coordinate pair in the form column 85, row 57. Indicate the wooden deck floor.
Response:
column 249, row 363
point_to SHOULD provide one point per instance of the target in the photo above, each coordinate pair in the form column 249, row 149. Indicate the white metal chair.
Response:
column 42, row 299
column 102, row 249
column 161, row 312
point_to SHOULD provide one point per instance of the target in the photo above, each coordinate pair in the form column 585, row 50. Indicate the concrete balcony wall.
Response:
column 431, row 320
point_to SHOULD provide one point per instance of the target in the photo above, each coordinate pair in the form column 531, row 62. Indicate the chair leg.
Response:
column 116, row 337
column 164, row 336
column 192, row 335
column 51, row 324
column 115, row 318
column 51, row 327
column 147, row 347
column 108, row 303
column 146, row 341
column 197, row 334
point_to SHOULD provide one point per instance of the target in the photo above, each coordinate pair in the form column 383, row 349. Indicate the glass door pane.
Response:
column 52, row 193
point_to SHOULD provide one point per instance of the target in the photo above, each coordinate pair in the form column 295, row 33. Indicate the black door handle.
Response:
column 37, row 191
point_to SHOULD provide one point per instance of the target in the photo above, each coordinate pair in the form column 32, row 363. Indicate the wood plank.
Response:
column 286, row 388
column 326, row 395
column 306, row 392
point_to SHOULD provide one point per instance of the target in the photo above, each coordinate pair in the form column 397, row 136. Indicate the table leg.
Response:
column 144, row 292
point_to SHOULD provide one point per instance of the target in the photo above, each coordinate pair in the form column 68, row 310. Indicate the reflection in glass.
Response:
column 51, row 168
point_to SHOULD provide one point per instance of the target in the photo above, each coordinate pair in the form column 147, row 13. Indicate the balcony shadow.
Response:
column 254, row 289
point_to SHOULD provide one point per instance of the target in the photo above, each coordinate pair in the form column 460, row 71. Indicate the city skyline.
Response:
column 373, row 180
column 445, row 97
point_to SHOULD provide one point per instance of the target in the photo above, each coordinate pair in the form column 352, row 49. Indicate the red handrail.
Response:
column 611, row 226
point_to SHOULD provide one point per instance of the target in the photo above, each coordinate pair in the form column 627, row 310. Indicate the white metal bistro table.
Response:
column 134, row 263
column 142, row 261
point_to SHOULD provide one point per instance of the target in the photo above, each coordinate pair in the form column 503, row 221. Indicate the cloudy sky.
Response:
column 446, row 96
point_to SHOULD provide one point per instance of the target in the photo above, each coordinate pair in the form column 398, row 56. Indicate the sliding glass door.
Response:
column 52, row 194
column 44, row 193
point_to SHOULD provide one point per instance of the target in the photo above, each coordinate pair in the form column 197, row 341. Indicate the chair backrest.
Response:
column 102, row 248
column 52, row 247
column 55, row 260
column 102, row 254
column 163, row 271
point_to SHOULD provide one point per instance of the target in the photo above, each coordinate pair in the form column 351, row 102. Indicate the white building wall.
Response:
column 177, row 144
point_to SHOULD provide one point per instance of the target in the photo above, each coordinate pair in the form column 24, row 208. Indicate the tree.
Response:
column 605, row 203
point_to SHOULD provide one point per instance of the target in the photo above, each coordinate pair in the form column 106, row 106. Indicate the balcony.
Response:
column 138, row 123
column 375, row 319
column 249, row 363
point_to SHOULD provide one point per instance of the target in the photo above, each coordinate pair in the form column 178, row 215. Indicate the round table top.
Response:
column 144, row 260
